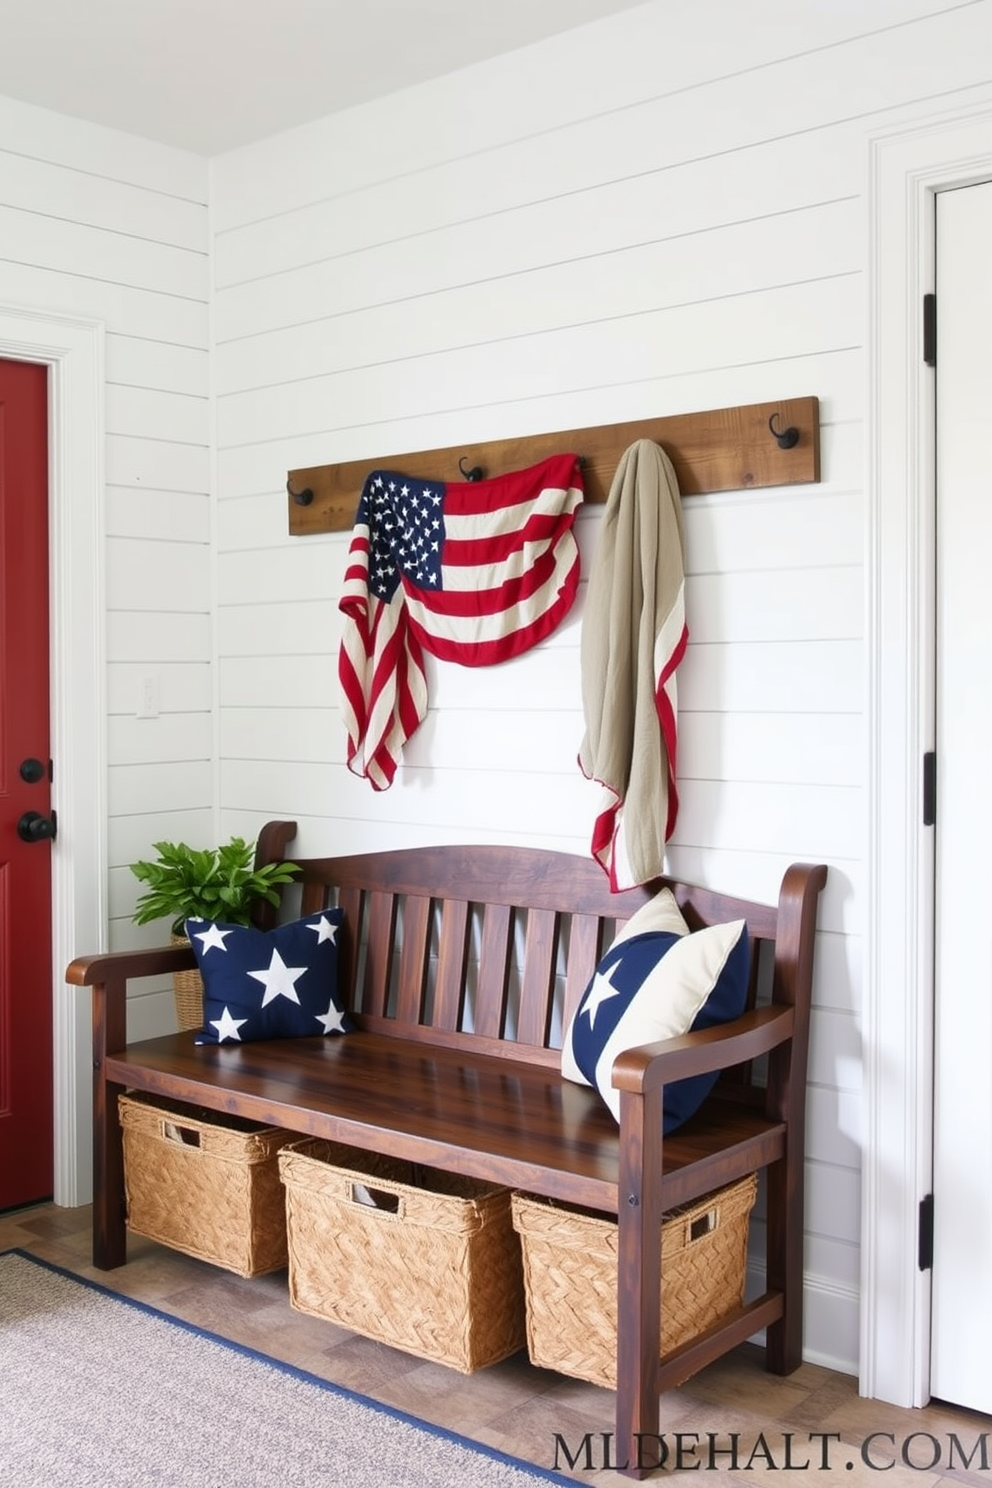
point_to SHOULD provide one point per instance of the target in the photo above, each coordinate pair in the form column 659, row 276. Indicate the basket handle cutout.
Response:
column 702, row 1225
column 186, row 1136
column 375, row 1198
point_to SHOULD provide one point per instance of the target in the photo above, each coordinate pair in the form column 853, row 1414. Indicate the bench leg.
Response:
column 109, row 1035
column 109, row 1230
column 637, row 1445
column 784, row 1208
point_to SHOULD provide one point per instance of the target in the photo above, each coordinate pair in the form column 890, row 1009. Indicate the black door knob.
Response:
column 33, row 827
column 32, row 770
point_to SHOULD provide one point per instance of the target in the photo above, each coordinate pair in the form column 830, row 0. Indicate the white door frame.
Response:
column 73, row 351
column 908, row 166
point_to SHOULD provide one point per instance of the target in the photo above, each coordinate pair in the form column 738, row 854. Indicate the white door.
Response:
column 961, row 1357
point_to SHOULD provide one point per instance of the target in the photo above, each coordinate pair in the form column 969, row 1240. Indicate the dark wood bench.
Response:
column 525, row 927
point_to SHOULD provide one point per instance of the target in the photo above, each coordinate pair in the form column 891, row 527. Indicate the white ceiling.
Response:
column 209, row 75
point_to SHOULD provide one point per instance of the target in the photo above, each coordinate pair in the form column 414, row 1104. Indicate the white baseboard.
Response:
column 831, row 1319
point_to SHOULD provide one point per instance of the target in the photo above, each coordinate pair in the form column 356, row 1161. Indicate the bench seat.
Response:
column 500, row 1120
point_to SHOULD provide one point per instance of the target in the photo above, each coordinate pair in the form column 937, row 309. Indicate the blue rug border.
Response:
column 546, row 1475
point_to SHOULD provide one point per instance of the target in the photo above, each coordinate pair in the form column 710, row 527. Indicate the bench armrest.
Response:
column 709, row 1049
column 112, row 966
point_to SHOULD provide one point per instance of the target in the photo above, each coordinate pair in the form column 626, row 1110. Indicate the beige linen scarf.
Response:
column 633, row 637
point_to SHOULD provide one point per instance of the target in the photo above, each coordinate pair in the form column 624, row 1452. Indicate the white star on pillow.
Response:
column 280, row 980
column 227, row 1027
column 332, row 1020
column 213, row 937
column 324, row 930
column 601, row 991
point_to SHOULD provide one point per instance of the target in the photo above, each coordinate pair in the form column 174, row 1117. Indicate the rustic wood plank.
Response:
column 349, row 940
column 313, row 898
column 414, row 956
column 109, row 1036
column 639, row 1215
column 722, row 449
column 452, row 960
column 381, row 913
column 494, row 970
column 270, row 847
column 500, row 1120
column 538, row 980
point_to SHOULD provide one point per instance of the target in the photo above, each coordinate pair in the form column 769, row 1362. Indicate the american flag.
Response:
column 473, row 572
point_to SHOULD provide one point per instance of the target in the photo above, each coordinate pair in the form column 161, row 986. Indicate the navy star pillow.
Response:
column 263, row 984
column 651, row 986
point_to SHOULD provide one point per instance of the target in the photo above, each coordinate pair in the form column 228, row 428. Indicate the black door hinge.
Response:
column 929, row 788
column 930, row 329
column 926, row 1233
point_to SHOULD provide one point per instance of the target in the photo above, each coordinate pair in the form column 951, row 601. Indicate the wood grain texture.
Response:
column 724, row 449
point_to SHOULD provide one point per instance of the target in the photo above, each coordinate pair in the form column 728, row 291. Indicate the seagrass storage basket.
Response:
column 570, row 1276
column 425, row 1261
column 205, row 1183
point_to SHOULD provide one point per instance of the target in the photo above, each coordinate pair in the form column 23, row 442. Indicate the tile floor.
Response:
column 812, row 1423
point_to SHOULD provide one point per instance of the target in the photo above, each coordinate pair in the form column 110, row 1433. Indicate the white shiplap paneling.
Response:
column 112, row 228
column 589, row 74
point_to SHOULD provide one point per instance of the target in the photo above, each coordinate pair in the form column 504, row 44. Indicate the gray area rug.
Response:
column 97, row 1391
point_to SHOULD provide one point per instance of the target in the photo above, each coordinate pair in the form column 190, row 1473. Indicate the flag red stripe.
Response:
column 669, row 727
column 478, row 498
column 480, row 552
column 473, row 602
column 510, row 644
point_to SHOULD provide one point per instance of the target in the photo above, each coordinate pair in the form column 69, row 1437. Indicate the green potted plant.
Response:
column 220, row 883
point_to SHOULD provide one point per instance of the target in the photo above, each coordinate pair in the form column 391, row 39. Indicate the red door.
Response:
column 26, row 1117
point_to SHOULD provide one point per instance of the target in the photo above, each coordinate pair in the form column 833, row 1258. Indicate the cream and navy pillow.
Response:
column 260, row 984
column 658, row 980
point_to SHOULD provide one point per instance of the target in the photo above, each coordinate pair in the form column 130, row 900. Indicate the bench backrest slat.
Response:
column 379, row 948
column 411, row 987
column 492, row 984
column 586, row 943
column 452, row 963
column 352, row 901
column 537, row 983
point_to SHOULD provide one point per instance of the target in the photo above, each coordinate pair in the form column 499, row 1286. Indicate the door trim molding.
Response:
column 73, row 350
column 907, row 167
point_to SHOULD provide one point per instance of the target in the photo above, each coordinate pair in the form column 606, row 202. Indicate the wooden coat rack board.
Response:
column 726, row 449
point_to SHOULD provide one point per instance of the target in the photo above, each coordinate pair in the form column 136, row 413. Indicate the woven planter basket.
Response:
column 187, row 987
column 422, row 1260
column 570, row 1277
column 204, row 1183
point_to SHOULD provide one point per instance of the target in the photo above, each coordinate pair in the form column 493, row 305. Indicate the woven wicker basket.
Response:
column 422, row 1260
column 204, row 1183
column 187, row 987
column 570, row 1277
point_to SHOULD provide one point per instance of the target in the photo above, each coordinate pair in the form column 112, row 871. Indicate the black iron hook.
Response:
column 302, row 498
column 785, row 438
column 475, row 474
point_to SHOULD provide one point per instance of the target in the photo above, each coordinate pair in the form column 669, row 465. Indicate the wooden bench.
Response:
column 524, row 928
